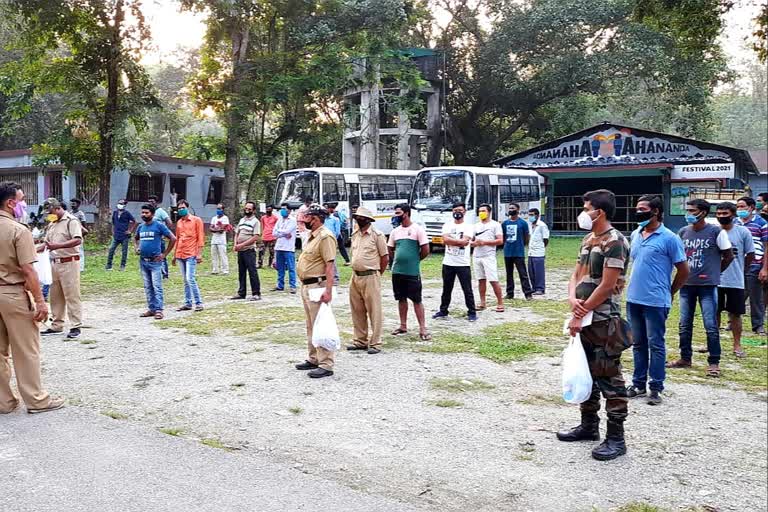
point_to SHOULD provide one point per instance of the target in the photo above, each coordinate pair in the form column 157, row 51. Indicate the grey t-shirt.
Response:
column 702, row 248
column 741, row 240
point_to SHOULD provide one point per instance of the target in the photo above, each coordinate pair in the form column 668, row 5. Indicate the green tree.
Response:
column 89, row 51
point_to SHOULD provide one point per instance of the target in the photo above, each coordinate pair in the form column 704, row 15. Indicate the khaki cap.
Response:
column 364, row 212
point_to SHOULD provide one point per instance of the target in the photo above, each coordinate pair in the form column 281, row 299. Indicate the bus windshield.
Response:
column 439, row 190
column 294, row 187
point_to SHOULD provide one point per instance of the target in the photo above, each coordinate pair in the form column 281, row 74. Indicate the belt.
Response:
column 151, row 258
column 313, row 280
column 66, row 260
column 363, row 273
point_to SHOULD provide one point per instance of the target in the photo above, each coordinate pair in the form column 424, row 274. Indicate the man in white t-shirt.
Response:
column 457, row 236
column 488, row 236
column 536, row 251
column 218, row 228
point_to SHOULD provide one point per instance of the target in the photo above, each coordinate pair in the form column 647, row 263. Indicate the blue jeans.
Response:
column 285, row 260
column 152, row 272
column 123, row 255
column 188, row 267
column 649, row 351
column 536, row 273
column 707, row 298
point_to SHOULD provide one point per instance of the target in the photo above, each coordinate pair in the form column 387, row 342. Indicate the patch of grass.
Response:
column 537, row 399
column 88, row 342
column 114, row 415
column 639, row 507
column 296, row 410
column 458, row 385
column 239, row 319
column 447, row 403
column 215, row 443
column 175, row 432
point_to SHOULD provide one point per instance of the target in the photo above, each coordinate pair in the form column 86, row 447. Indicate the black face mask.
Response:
column 146, row 219
column 247, row 213
column 458, row 215
column 642, row 216
column 725, row 220
column 363, row 223
column 513, row 213
column 308, row 225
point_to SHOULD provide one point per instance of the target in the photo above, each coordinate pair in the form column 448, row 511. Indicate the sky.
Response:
column 172, row 28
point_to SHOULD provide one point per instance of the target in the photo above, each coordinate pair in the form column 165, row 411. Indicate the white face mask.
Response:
column 585, row 221
column 120, row 206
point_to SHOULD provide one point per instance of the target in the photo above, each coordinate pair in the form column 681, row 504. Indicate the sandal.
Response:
column 399, row 331
column 159, row 315
column 499, row 309
column 147, row 314
column 425, row 337
column 480, row 307
column 740, row 354
column 680, row 363
column 713, row 371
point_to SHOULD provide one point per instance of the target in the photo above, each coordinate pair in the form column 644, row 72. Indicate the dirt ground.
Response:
column 481, row 439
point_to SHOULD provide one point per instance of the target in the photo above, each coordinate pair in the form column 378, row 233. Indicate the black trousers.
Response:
column 246, row 262
column 465, row 280
column 510, row 264
column 341, row 241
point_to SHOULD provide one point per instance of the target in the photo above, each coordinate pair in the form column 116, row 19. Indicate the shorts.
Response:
column 486, row 268
column 407, row 287
column 731, row 300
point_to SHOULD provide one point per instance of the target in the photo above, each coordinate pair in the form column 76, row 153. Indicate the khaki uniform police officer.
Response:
column 63, row 238
column 370, row 258
column 19, row 314
column 315, row 270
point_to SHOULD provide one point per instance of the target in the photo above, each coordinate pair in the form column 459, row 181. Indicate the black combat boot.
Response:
column 613, row 445
column 589, row 430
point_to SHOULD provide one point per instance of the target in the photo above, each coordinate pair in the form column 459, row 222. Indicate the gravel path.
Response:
column 375, row 426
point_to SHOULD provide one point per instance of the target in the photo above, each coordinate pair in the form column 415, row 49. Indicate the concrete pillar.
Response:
column 434, row 126
column 403, row 140
column 68, row 183
column 41, row 197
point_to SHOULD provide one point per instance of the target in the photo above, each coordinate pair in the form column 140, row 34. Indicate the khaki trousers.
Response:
column 365, row 303
column 319, row 356
column 20, row 335
column 219, row 259
column 65, row 295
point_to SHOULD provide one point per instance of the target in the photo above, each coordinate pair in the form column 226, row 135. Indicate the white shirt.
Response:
column 487, row 231
column 219, row 238
column 456, row 256
column 285, row 234
column 539, row 233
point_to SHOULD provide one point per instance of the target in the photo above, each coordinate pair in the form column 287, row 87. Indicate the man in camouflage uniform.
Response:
column 596, row 286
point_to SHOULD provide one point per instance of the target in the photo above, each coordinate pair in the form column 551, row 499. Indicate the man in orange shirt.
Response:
column 268, row 221
column 190, row 236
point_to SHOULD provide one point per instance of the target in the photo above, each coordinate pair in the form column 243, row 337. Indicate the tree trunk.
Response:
column 235, row 121
column 107, row 128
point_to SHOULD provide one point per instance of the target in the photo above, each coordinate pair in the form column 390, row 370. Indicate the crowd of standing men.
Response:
column 717, row 266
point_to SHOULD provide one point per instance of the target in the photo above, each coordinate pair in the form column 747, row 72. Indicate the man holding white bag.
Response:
column 595, row 287
column 315, row 270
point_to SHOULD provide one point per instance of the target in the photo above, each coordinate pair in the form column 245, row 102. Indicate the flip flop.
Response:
column 399, row 331
column 713, row 372
column 499, row 309
column 480, row 308
column 739, row 353
column 425, row 337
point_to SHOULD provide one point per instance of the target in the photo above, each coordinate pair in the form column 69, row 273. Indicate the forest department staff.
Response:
column 370, row 259
column 19, row 333
column 315, row 270
column 63, row 238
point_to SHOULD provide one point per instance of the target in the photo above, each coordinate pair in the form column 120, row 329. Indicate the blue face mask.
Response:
column 691, row 219
column 283, row 212
column 743, row 214
column 644, row 223
column 397, row 220
column 219, row 212
column 183, row 212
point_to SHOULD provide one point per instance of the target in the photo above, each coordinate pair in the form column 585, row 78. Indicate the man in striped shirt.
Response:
column 758, row 228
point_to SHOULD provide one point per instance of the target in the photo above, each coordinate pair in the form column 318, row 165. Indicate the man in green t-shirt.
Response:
column 408, row 245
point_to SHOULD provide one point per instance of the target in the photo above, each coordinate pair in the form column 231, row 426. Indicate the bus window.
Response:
column 483, row 190
column 294, row 187
column 404, row 186
column 334, row 188
column 439, row 189
column 368, row 188
column 387, row 188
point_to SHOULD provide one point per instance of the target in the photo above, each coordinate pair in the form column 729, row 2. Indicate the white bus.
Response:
column 438, row 188
column 378, row 190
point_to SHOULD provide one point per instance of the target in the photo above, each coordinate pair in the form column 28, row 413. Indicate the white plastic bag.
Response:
column 325, row 332
column 577, row 381
column 43, row 267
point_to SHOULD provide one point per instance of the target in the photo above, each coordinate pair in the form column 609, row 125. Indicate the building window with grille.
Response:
column 141, row 186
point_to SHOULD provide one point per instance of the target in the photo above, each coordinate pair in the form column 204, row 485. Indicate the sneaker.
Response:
column 319, row 373
column 237, row 297
column 633, row 392
column 53, row 404
column 654, row 398
column 49, row 332
column 255, row 298
column 276, row 289
column 122, row 269
column 529, row 297
column 509, row 297
column 73, row 333
column 293, row 291
column 355, row 347
column 472, row 317
column 199, row 307
column 374, row 350
column 184, row 308
column 108, row 269
column 440, row 314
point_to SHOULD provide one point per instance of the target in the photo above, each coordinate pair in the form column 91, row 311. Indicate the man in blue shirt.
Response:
column 516, row 236
column 150, row 247
column 162, row 217
column 123, row 224
column 333, row 224
column 655, row 251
